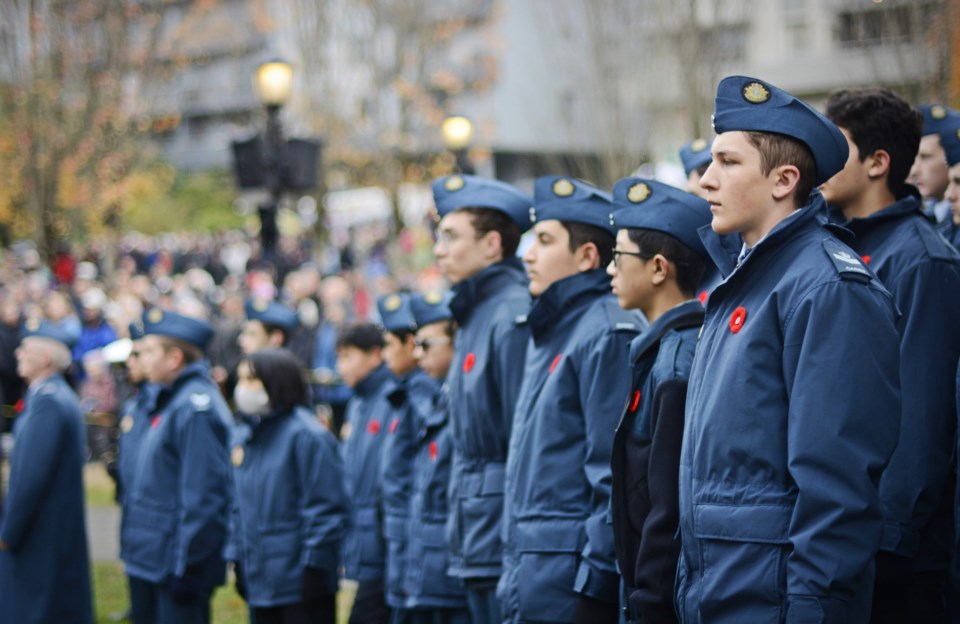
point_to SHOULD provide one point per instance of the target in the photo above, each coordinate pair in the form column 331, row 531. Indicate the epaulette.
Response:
column 849, row 266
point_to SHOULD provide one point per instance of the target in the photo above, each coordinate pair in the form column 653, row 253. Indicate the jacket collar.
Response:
column 724, row 249
column 908, row 205
column 687, row 314
column 468, row 293
column 372, row 382
column 563, row 294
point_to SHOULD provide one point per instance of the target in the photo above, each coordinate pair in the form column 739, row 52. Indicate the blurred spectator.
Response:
column 96, row 332
column 11, row 386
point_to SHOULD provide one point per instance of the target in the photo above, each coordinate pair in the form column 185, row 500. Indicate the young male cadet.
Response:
column 695, row 157
column 177, row 502
column 268, row 325
column 44, row 563
column 929, row 169
column 360, row 364
column 477, row 240
column 657, row 264
column 949, row 228
column 558, row 556
column 922, row 272
column 793, row 403
column 431, row 596
column 411, row 384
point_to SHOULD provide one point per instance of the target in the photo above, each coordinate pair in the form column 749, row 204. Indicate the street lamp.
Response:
column 457, row 133
column 269, row 160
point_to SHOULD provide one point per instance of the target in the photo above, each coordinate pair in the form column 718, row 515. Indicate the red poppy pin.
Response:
column 737, row 319
column 556, row 360
column 866, row 259
column 635, row 401
column 18, row 406
column 373, row 427
column 434, row 450
column 155, row 421
column 468, row 362
column 702, row 297
column 394, row 424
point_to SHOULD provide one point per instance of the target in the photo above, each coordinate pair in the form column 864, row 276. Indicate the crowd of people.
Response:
column 731, row 403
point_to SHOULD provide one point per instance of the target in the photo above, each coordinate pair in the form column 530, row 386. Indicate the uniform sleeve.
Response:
column 604, row 378
column 929, row 298
column 324, row 506
column 656, row 565
column 33, row 467
column 204, row 486
column 510, row 346
column 840, row 340
column 232, row 546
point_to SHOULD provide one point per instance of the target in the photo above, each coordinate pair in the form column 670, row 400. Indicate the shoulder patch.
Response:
column 621, row 326
column 520, row 319
column 847, row 264
column 200, row 401
column 935, row 244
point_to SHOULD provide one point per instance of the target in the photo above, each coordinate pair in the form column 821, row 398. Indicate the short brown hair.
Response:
column 191, row 353
column 581, row 234
column 777, row 150
column 490, row 220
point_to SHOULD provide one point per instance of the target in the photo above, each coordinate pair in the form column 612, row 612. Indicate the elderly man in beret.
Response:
column 44, row 564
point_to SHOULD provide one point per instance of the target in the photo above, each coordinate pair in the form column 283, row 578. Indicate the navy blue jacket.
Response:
column 793, row 410
column 483, row 382
column 399, row 450
column 426, row 584
column 646, row 463
column 177, row 502
column 557, row 539
column 950, row 231
column 289, row 505
column 922, row 272
column 134, row 423
column 369, row 413
column 45, row 573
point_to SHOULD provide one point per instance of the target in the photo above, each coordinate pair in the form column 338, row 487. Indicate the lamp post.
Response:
column 457, row 133
column 273, row 83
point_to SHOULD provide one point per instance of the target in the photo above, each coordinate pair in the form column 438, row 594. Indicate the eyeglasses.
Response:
column 431, row 342
column 617, row 253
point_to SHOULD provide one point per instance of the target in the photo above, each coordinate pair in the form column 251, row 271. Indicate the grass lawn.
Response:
column 110, row 584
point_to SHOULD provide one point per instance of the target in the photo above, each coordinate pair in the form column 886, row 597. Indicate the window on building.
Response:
column 881, row 24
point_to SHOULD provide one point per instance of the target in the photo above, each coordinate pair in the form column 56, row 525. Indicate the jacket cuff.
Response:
column 814, row 610
column 596, row 584
column 323, row 557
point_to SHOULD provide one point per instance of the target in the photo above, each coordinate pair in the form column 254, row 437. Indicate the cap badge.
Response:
column 699, row 145
column 433, row 297
column 563, row 188
column 155, row 315
column 454, row 183
column 756, row 93
column 938, row 112
column 639, row 192
column 392, row 303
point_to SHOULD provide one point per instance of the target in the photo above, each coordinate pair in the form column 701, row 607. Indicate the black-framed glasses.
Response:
column 619, row 252
column 431, row 342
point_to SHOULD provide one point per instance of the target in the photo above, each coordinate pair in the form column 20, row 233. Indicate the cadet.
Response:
column 695, row 156
column 950, row 139
column 177, row 501
column 360, row 364
column 44, row 563
column 411, row 384
column 268, row 325
column 657, row 264
column 289, row 504
column 922, row 272
column 929, row 170
column 793, row 405
column 558, row 560
column 477, row 240
column 134, row 423
column 431, row 596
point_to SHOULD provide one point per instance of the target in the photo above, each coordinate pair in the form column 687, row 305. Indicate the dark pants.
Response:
column 370, row 605
column 902, row 595
column 152, row 603
column 322, row 610
column 482, row 600
column 438, row 615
